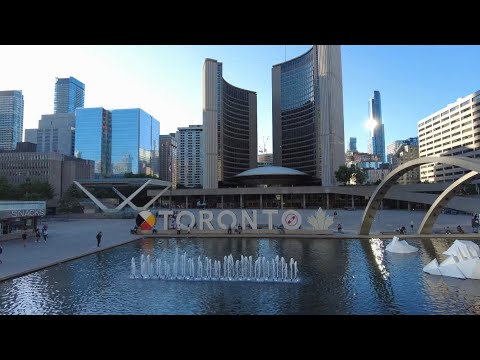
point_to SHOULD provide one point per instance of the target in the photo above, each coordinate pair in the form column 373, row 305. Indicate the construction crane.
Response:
column 264, row 149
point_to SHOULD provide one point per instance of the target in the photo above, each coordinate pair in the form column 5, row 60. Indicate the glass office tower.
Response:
column 11, row 119
column 69, row 95
column 135, row 142
column 378, row 131
column 93, row 138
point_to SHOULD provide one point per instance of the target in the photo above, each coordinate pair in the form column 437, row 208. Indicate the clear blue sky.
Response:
column 166, row 81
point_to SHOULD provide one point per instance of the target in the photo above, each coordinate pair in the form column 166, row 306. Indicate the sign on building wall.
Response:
column 19, row 209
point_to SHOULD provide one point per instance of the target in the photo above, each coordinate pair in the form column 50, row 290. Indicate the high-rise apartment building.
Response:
column 404, row 154
column 11, row 119
column 451, row 131
column 168, row 158
column 190, row 156
column 69, row 95
column 394, row 146
column 229, row 126
column 307, row 110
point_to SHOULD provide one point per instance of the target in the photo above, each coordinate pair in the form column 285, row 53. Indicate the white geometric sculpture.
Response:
column 470, row 268
column 465, row 246
column 448, row 267
column 400, row 247
column 432, row 268
column 321, row 221
column 462, row 262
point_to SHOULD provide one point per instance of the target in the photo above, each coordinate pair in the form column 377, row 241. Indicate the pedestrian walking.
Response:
column 411, row 225
column 1, row 251
column 99, row 238
column 45, row 234
column 37, row 235
column 24, row 237
column 339, row 228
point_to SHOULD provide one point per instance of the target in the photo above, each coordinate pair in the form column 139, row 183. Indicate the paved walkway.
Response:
column 67, row 240
column 75, row 238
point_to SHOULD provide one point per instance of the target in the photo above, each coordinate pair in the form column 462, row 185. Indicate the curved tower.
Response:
column 229, row 126
column 307, row 111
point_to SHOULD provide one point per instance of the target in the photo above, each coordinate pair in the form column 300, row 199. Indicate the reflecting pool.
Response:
column 336, row 277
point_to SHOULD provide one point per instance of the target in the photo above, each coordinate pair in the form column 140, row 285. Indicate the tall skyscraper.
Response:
column 307, row 111
column 69, row 95
column 168, row 158
column 229, row 125
column 11, row 119
column 378, row 132
column 190, row 156
column 450, row 131
column 352, row 144
column 135, row 142
column 93, row 138
column 55, row 133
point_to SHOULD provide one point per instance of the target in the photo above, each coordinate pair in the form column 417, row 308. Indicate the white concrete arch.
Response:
column 391, row 178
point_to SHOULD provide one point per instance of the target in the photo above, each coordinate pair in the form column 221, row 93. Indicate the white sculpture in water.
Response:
column 462, row 261
column 400, row 247
column 321, row 221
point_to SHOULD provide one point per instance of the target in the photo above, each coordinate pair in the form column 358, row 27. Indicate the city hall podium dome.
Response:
column 272, row 175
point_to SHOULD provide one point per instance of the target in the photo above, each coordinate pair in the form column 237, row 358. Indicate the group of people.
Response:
column 43, row 234
column 237, row 229
column 179, row 228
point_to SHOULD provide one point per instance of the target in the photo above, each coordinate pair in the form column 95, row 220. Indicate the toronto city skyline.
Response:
column 240, row 179
column 166, row 81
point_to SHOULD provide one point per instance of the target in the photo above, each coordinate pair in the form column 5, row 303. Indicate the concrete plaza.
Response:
column 74, row 238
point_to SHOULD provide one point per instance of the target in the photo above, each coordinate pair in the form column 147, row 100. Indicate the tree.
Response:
column 6, row 190
column 360, row 176
column 343, row 174
column 35, row 190
column 69, row 201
